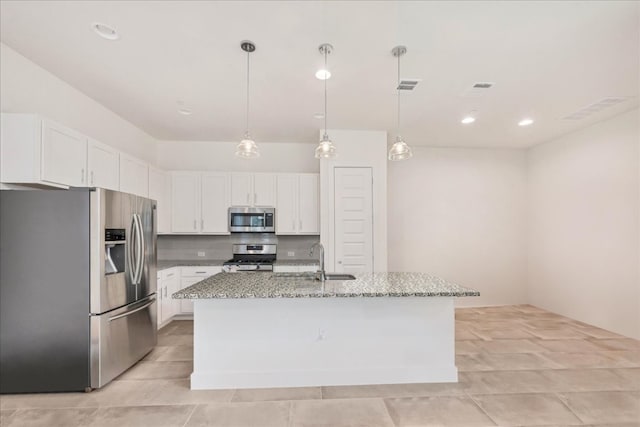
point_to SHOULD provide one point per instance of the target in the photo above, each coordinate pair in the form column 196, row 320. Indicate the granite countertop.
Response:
column 269, row 285
column 164, row 264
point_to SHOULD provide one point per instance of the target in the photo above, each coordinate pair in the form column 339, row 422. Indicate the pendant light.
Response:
column 325, row 149
column 247, row 148
column 399, row 150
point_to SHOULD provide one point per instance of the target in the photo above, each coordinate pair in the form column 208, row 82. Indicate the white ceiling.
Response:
column 547, row 59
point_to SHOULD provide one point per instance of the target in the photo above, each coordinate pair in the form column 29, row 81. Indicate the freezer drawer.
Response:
column 120, row 338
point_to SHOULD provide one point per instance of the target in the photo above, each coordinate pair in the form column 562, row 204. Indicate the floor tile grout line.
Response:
column 481, row 408
column 566, row 405
column 386, row 406
column 190, row 415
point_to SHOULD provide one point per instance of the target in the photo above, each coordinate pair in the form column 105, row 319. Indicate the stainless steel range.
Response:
column 251, row 257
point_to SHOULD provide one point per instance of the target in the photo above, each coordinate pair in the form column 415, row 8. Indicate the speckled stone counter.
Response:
column 269, row 285
column 164, row 264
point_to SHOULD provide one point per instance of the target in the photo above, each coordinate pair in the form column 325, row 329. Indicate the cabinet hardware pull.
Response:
column 300, row 226
column 165, row 291
column 255, row 198
column 82, row 175
column 91, row 177
column 202, row 224
column 170, row 275
column 194, row 224
column 200, row 272
column 247, row 198
column 293, row 224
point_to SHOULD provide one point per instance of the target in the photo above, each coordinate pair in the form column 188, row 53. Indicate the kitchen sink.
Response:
column 312, row 276
column 339, row 276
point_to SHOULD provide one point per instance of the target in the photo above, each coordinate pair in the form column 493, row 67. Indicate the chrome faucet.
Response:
column 320, row 275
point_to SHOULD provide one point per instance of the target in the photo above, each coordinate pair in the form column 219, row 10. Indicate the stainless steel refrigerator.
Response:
column 77, row 287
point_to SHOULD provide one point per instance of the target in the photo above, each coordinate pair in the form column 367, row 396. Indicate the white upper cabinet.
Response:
column 297, row 207
column 34, row 150
column 287, row 204
column 64, row 155
column 241, row 189
column 249, row 189
column 185, row 202
column 309, row 204
column 200, row 202
column 160, row 191
column 264, row 189
column 134, row 176
column 103, row 165
column 215, row 202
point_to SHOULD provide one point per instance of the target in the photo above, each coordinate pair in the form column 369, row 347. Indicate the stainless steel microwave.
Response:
column 252, row 220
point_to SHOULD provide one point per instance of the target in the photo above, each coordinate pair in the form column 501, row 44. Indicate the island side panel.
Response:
column 296, row 342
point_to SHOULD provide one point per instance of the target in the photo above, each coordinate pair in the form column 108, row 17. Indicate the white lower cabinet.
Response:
column 168, row 283
column 190, row 276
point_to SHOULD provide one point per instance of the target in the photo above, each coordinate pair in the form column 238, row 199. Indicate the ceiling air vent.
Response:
column 477, row 90
column 408, row 84
column 596, row 107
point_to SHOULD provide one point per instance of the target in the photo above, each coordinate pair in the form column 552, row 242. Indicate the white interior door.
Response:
column 353, row 220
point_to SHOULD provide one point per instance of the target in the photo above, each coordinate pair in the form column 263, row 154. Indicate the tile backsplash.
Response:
column 178, row 247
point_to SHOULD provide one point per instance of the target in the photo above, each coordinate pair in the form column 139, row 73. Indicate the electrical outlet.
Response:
column 200, row 253
column 291, row 253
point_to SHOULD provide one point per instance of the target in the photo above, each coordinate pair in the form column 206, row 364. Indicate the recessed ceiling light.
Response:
column 323, row 74
column 318, row 116
column 467, row 120
column 525, row 122
column 185, row 111
column 105, row 31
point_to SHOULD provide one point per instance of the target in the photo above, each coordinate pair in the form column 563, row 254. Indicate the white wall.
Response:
column 584, row 225
column 461, row 214
column 28, row 88
column 356, row 148
column 220, row 156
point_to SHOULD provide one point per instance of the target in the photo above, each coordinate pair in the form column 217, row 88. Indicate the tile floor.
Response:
column 519, row 366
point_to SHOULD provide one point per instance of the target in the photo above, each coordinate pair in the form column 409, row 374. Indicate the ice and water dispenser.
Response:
column 114, row 250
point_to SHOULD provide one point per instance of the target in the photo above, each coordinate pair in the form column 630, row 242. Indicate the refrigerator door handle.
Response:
column 132, row 238
column 140, row 248
column 130, row 312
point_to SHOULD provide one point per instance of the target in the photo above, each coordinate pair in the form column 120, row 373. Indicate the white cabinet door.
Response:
column 215, row 202
column 64, row 155
column 241, row 189
column 134, row 176
column 185, row 201
column 264, row 189
column 103, row 164
column 286, row 204
column 309, row 204
column 171, row 283
column 160, row 191
column 159, row 299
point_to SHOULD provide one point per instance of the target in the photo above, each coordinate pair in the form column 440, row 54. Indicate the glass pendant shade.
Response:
column 325, row 149
column 247, row 148
column 400, row 150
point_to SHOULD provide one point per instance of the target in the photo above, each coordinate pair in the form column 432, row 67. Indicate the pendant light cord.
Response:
column 398, row 90
column 325, row 92
column 248, row 65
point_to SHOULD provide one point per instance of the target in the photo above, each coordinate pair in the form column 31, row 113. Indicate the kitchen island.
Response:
column 255, row 330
